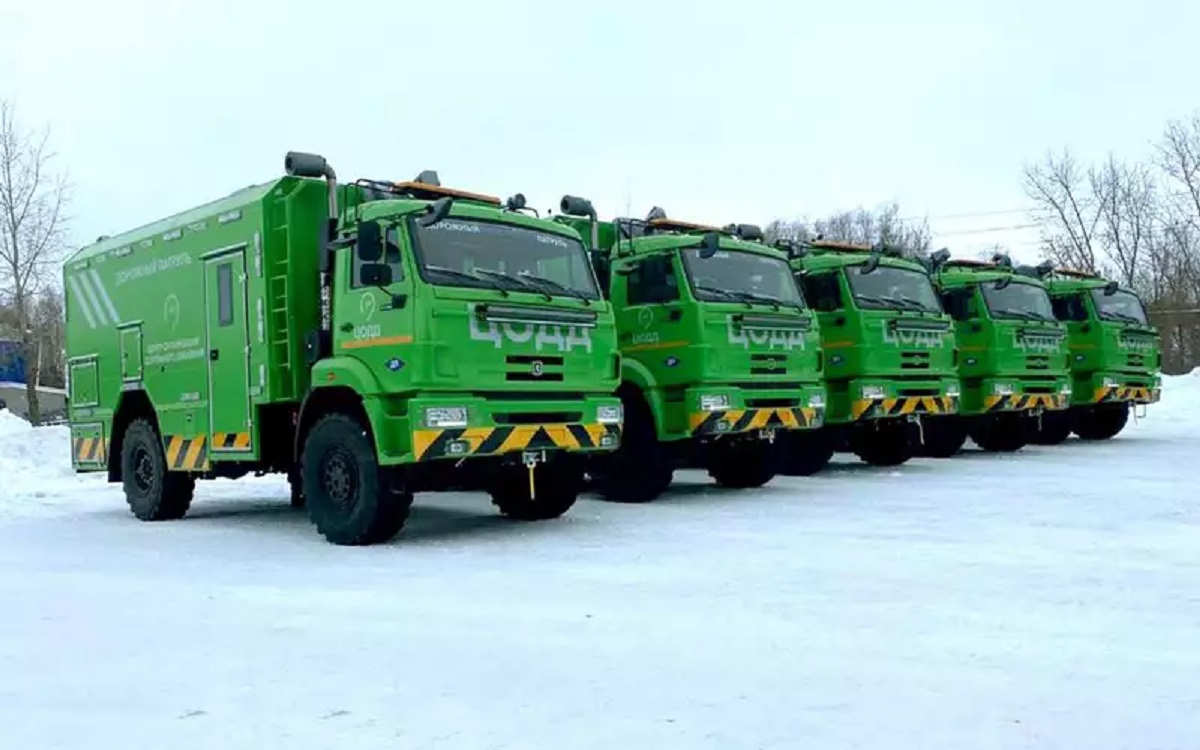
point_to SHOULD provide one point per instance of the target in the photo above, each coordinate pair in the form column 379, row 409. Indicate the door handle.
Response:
column 214, row 354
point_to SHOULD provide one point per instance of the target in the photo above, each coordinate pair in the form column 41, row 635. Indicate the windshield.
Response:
column 1122, row 306
column 484, row 254
column 890, row 287
column 731, row 275
column 1018, row 300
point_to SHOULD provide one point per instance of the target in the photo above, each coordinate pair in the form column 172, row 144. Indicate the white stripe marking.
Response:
column 108, row 303
column 77, row 293
column 91, row 295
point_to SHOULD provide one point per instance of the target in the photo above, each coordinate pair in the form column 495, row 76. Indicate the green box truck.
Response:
column 369, row 340
column 719, row 353
column 1012, row 354
column 1115, row 356
column 889, row 353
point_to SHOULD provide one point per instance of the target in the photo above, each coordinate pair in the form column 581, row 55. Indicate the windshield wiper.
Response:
column 516, row 280
column 467, row 277
column 724, row 293
column 562, row 288
column 1022, row 314
column 1121, row 316
column 910, row 303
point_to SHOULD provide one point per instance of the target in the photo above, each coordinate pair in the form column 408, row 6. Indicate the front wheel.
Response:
column 805, row 452
column 1000, row 433
column 556, row 485
column 347, row 499
column 944, row 437
column 640, row 469
column 1052, row 429
column 886, row 445
column 1102, row 422
column 743, row 464
column 152, row 492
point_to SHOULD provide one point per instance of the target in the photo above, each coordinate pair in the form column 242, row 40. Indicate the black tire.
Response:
column 944, row 437
column 296, row 485
column 804, row 452
column 743, row 464
column 152, row 492
column 1053, row 429
column 640, row 469
column 557, row 484
column 1000, row 433
column 346, row 495
column 887, row 445
column 1102, row 422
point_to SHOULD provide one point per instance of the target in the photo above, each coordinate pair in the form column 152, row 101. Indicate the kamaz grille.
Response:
column 768, row 364
column 530, row 368
column 1037, row 362
column 914, row 360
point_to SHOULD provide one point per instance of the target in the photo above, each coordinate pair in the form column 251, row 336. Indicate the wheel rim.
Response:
column 339, row 478
column 143, row 469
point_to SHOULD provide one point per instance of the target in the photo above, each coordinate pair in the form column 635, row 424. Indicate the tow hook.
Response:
column 768, row 434
column 531, row 459
column 916, row 419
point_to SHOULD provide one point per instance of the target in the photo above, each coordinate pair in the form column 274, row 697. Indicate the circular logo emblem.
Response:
column 645, row 318
column 537, row 368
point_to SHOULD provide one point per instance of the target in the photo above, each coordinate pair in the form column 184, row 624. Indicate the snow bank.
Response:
column 35, row 463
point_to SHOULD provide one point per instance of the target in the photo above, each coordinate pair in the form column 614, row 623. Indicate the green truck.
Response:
column 1115, row 356
column 370, row 340
column 719, row 355
column 1012, row 354
column 889, row 353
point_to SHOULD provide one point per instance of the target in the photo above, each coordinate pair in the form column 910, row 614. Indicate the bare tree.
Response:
column 881, row 226
column 1127, row 201
column 32, row 229
column 1058, row 188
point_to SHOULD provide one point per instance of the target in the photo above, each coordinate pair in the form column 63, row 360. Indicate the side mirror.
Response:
column 436, row 211
column 1111, row 288
column 375, row 274
column 710, row 245
column 368, row 242
column 1002, row 283
column 872, row 262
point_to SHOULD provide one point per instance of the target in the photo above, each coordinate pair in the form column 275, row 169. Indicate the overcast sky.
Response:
column 718, row 112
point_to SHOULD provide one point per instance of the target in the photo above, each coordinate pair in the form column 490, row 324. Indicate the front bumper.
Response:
column 496, row 428
column 896, row 402
column 1111, row 389
column 743, row 416
column 1021, row 401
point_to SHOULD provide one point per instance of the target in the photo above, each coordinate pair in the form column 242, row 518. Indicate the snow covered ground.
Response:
column 1049, row 599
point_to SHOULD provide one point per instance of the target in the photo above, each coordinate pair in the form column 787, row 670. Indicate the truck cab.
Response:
column 889, row 352
column 1115, row 356
column 1012, row 353
column 720, row 354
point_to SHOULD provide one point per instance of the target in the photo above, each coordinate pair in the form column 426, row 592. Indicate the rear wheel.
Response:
column 743, row 464
column 804, row 452
column 887, row 444
column 556, row 486
column 944, row 437
column 152, row 492
column 999, row 433
column 1052, row 429
column 1102, row 422
column 346, row 495
column 640, row 469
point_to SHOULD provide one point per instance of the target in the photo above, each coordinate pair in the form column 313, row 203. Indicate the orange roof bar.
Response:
column 676, row 224
column 414, row 185
column 838, row 245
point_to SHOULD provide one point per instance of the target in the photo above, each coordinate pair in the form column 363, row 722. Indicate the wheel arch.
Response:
column 132, row 405
column 335, row 399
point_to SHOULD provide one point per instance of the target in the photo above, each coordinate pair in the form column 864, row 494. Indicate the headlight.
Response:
column 446, row 416
column 1002, row 389
column 873, row 391
column 952, row 391
column 816, row 402
column 1110, row 383
column 609, row 414
column 1065, row 390
column 714, row 402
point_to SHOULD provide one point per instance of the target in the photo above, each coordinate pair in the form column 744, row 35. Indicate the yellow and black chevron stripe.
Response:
column 729, row 421
column 867, row 408
column 495, row 441
column 187, row 454
column 1136, row 394
column 1026, row 401
column 89, row 450
column 230, row 441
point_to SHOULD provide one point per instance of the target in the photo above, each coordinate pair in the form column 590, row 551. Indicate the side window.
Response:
column 391, row 256
column 225, row 294
column 1069, row 307
column 822, row 291
column 653, row 282
column 957, row 303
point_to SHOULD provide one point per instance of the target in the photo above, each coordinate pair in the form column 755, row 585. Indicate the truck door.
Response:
column 228, row 352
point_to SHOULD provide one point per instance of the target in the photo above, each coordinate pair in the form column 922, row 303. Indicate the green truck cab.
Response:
column 719, row 354
column 1115, row 356
column 1012, row 354
column 369, row 340
column 889, row 353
